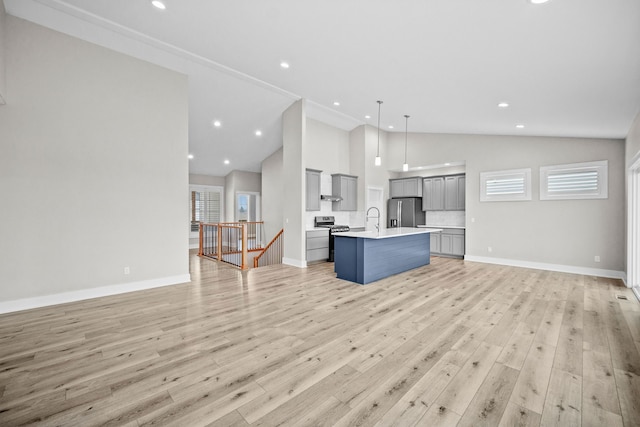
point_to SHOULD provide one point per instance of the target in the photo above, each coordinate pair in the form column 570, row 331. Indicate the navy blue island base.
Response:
column 364, row 260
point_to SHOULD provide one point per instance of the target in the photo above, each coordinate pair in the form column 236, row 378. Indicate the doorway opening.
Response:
column 247, row 207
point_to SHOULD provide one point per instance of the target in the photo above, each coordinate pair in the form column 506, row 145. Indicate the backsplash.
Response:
column 455, row 218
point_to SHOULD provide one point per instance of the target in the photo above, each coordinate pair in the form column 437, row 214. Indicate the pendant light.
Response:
column 378, row 159
column 405, row 165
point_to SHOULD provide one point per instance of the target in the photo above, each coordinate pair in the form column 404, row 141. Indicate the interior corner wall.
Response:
column 632, row 143
column 327, row 148
column 272, row 194
column 93, row 169
column 3, row 24
column 293, row 175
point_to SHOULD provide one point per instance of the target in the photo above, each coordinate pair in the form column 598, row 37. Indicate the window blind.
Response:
column 574, row 181
column 205, row 207
column 507, row 185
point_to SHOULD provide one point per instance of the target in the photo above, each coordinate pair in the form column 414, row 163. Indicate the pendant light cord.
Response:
column 379, row 104
column 406, row 130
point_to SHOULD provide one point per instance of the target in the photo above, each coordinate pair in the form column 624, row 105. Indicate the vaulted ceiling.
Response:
column 566, row 67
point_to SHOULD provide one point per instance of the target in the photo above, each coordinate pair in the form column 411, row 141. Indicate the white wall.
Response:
column 197, row 179
column 293, row 176
column 272, row 194
column 93, row 169
column 3, row 25
column 327, row 148
column 564, row 233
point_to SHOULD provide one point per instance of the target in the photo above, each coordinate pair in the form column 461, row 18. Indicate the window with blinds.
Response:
column 574, row 181
column 508, row 185
column 205, row 206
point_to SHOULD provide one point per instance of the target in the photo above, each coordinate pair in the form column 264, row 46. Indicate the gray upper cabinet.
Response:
column 442, row 193
column 346, row 187
column 313, row 189
column 405, row 187
column 454, row 193
column 433, row 194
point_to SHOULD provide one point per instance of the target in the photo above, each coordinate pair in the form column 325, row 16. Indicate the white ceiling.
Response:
column 567, row 67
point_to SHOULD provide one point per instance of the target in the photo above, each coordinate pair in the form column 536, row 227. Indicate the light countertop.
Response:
column 388, row 232
column 459, row 227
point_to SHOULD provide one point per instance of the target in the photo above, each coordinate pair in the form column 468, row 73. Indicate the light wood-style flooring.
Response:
column 454, row 343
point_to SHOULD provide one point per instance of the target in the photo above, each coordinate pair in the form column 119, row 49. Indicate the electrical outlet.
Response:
column 596, row 258
column 127, row 270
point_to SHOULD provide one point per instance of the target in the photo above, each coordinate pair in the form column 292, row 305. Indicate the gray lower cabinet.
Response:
column 317, row 245
column 449, row 242
column 313, row 189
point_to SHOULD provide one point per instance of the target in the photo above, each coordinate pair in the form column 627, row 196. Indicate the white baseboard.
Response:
column 104, row 291
column 612, row 274
column 294, row 262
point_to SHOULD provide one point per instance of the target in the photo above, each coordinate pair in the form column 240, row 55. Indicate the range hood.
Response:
column 330, row 198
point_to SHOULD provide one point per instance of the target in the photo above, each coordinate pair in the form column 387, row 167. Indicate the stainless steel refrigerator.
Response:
column 406, row 212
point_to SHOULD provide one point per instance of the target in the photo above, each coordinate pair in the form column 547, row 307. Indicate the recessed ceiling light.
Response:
column 447, row 164
column 284, row 64
column 538, row 1
column 190, row 156
column 390, row 126
column 520, row 126
column 159, row 4
column 503, row 104
column 226, row 162
column 367, row 116
column 336, row 103
column 258, row 132
column 217, row 123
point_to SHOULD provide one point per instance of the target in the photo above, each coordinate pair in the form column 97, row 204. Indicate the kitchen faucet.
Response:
column 377, row 217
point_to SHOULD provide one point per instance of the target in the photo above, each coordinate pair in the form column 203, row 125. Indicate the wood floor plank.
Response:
column 628, row 385
column 462, row 389
column 563, row 405
column 517, row 416
column 490, row 402
column 451, row 343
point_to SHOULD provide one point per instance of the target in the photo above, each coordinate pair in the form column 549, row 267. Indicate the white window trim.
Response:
column 601, row 167
column 205, row 188
column 525, row 174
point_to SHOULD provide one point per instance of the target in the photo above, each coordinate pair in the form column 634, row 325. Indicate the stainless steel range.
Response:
column 330, row 223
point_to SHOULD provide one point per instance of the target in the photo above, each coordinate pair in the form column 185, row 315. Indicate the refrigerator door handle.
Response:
column 400, row 213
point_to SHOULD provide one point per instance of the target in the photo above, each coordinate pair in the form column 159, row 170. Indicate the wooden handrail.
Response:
column 266, row 248
column 224, row 240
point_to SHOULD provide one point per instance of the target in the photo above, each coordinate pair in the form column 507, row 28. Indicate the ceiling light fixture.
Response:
column 159, row 4
column 336, row 103
column 367, row 117
column 405, row 165
column 390, row 126
column 284, row 65
column 520, row 126
column 503, row 105
column 190, row 156
column 216, row 123
column 226, row 162
column 538, row 1
column 258, row 132
column 378, row 161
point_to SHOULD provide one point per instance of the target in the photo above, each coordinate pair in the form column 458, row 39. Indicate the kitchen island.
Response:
column 366, row 256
